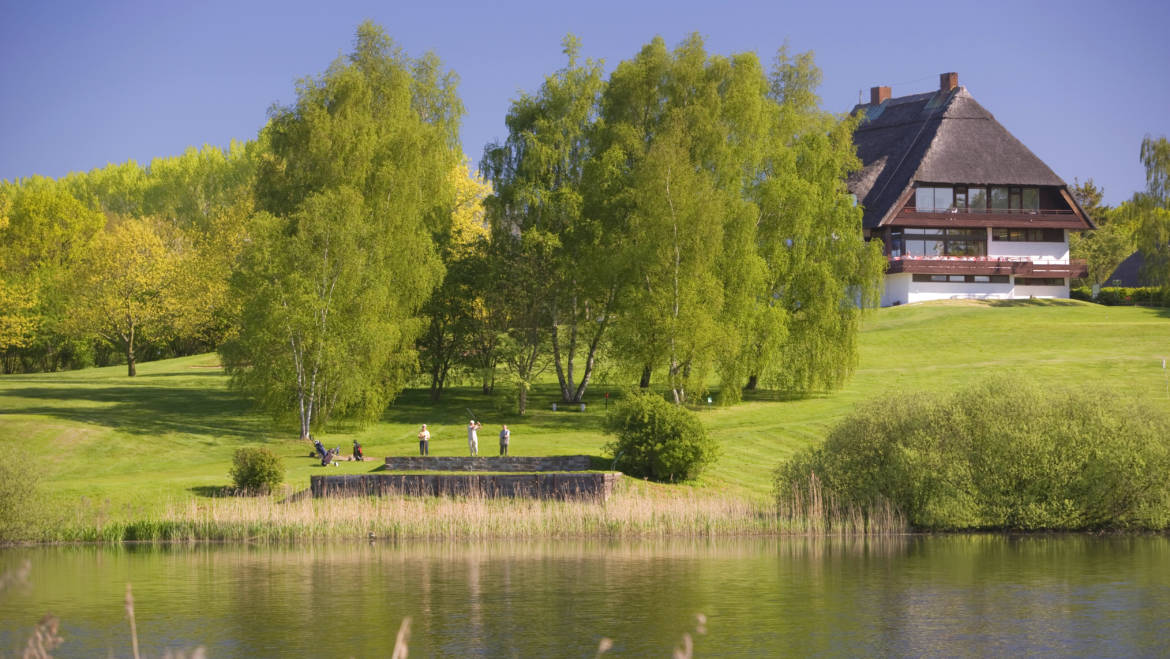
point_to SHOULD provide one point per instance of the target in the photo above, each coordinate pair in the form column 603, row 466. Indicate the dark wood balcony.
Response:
column 1001, row 218
column 983, row 265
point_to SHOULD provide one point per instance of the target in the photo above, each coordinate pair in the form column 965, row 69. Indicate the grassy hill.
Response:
column 105, row 444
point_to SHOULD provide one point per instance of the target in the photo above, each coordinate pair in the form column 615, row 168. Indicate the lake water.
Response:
column 912, row 595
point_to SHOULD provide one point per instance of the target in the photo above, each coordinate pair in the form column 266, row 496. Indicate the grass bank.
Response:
column 112, row 450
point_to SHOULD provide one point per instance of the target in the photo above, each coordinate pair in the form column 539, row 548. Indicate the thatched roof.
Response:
column 936, row 137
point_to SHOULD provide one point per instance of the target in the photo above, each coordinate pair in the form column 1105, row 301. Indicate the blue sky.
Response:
column 87, row 83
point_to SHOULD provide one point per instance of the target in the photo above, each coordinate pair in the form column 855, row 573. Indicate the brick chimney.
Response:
column 878, row 95
column 948, row 81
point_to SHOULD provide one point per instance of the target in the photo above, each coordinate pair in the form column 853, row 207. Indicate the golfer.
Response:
column 505, row 435
column 472, row 437
column 424, row 441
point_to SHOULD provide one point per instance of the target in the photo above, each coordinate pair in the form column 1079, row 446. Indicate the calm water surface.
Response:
column 952, row 596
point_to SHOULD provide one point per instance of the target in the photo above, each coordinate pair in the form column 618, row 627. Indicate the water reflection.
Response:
column 936, row 595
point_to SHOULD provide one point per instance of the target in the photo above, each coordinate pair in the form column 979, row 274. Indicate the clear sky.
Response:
column 87, row 83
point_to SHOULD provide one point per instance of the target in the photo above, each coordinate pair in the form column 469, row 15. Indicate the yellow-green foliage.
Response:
column 1003, row 454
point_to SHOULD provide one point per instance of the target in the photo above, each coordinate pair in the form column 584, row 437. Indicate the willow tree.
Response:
column 561, row 258
column 352, row 188
column 820, row 271
column 1153, row 210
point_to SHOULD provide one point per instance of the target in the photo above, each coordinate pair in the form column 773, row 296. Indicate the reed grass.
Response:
column 814, row 510
column 634, row 510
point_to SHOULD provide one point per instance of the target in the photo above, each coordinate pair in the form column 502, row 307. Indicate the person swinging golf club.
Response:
column 473, row 437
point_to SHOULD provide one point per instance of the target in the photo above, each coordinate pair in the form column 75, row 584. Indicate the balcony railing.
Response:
column 1054, row 218
column 986, row 265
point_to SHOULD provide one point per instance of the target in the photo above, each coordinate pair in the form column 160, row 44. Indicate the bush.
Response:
column 1002, row 454
column 1116, row 296
column 257, row 470
column 658, row 440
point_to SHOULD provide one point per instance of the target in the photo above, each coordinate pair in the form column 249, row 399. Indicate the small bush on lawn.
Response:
column 1002, row 454
column 257, row 470
column 658, row 440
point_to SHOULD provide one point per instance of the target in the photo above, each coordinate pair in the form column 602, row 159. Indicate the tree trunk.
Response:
column 131, row 369
column 753, row 380
column 644, row 383
column 522, row 399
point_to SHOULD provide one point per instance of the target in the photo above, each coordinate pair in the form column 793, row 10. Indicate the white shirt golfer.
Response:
column 472, row 437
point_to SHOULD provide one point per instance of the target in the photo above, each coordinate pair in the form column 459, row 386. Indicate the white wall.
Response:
column 1033, row 251
column 901, row 289
column 1042, row 291
column 896, row 290
column 925, row 291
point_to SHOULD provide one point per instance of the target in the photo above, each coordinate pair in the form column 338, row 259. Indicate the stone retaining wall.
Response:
column 596, row 485
column 509, row 464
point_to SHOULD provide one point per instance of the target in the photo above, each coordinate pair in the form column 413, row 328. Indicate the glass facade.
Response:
column 976, row 199
column 938, row 242
column 1028, row 235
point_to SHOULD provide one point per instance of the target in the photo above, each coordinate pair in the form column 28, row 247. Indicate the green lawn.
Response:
column 120, row 445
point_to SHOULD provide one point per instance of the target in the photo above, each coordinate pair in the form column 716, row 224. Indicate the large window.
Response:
column 934, row 199
column 961, row 279
column 999, row 198
column 1028, row 235
column 976, row 199
column 1039, row 281
column 938, row 242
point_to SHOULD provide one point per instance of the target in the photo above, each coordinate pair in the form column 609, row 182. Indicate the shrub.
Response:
column 1002, row 454
column 658, row 440
column 256, row 470
column 1113, row 296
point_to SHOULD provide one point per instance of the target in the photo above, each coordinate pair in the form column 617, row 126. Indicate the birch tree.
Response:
column 537, row 174
column 679, row 141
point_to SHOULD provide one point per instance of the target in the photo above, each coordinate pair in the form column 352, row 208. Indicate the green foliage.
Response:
column 1114, row 296
column 658, row 440
column 125, row 287
column 1152, row 209
column 555, row 261
column 1002, row 454
column 1111, row 243
column 353, row 184
column 256, row 470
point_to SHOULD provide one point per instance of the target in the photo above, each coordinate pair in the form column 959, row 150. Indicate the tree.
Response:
column 1153, row 209
column 679, row 140
column 17, row 304
column 820, row 273
column 538, row 178
column 125, row 288
column 46, row 230
column 352, row 183
column 452, row 310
